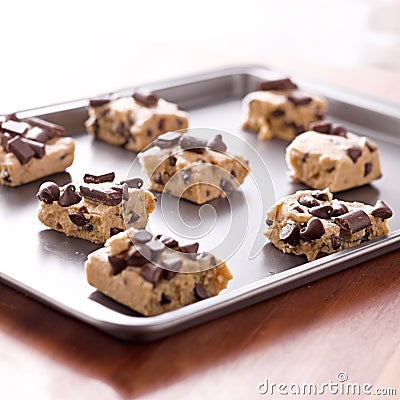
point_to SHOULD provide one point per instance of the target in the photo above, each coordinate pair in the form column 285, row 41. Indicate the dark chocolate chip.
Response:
column 353, row 221
column 133, row 218
column 321, row 126
column 277, row 113
column 172, row 161
column 320, row 196
column 164, row 299
column 167, row 241
column 381, row 210
column 290, row 234
column 146, row 99
column 217, row 143
column 156, row 248
column 16, row 127
column 115, row 231
column 194, row 144
column 338, row 209
column 5, row 138
column 37, row 147
column 142, row 236
column 157, row 178
column 367, row 168
column 330, row 169
column 299, row 99
column 117, row 264
column 186, row 174
column 313, row 230
column 78, row 218
column 151, row 274
column 138, row 256
column 172, row 265
column 371, row 146
column 336, row 242
column 189, row 248
column 20, row 149
column 278, row 84
column 168, row 140
column 269, row 222
column 125, row 192
column 48, row 192
column 53, row 130
column 308, row 201
column 99, row 178
column 354, row 153
column 98, row 102
column 338, row 130
column 299, row 129
column 323, row 212
column 38, row 134
column 149, row 133
column 69, row 197
column 298, row 209
column 200, row 292
column 161, row 124
column 320, row 254
column 226, row 186
column 103, row 195
column 134, row 183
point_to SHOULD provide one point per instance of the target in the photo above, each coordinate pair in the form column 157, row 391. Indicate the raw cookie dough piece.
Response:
column 334, row 158
column 133, row 122
column 279, row 109
column 189, row 167
column 312, row 223
column 153, row 275
column 97, row 209
column 31, row 149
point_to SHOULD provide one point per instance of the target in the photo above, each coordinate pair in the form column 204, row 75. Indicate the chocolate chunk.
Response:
column 308, row 201
column 115, row 231
column 321, row 126
column 313, row 230
column 168, row 140
column 38, row 134
column 299, row 99
column 98, row 102
column 172, row 265
column 353, row 221
column 164, row 299
column 323, row 212
column 172, row 161
column 37, row 147
column 20, row 149
column 194, row 144
column 336, row 242
column 200, row 292
column 338, row 209
column 53, row 130
column 217, row 143
column 269, row 222
column 290, row 234
column 330, row 169
column 186, row 174
column 138, row 256
column 69, row 197
column 277, row 113
column 103, row 195
column 298, row 209
column 167, row 241
column 367, row 168
column 133, row 218
column 151, row 274
column 142, row 236
column 320, row 196
column 381, row 210
column 78, row 218
column 371, row 146
column 278, row 84
column 156, row 248
column 16, row 127
column 117, row 264
column 134, row 183
column 338, row 130
column 5, row 138
column 298, row 129
column 99, row 178
column 320, row 254
column 146, row 99
column 161, row 124
column 157, row 178
column 226, row 186
column 354, row 153
column 189, row 248
column 48, row 192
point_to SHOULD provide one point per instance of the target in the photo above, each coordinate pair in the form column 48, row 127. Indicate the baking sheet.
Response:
column 50, row 266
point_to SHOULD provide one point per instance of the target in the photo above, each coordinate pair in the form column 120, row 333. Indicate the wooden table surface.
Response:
column 348, row 322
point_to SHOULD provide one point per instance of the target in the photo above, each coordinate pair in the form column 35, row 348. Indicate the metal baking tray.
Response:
column 49, row 266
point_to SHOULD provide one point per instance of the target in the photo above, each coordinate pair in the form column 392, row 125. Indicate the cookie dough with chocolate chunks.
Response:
column 133, row 122
column 329, row 156
column 31, row 149
column 192, row 168
column 96, row 209
column 312, row 223
column 153, row 275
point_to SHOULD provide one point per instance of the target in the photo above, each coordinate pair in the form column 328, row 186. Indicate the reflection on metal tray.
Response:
column 50, row 266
